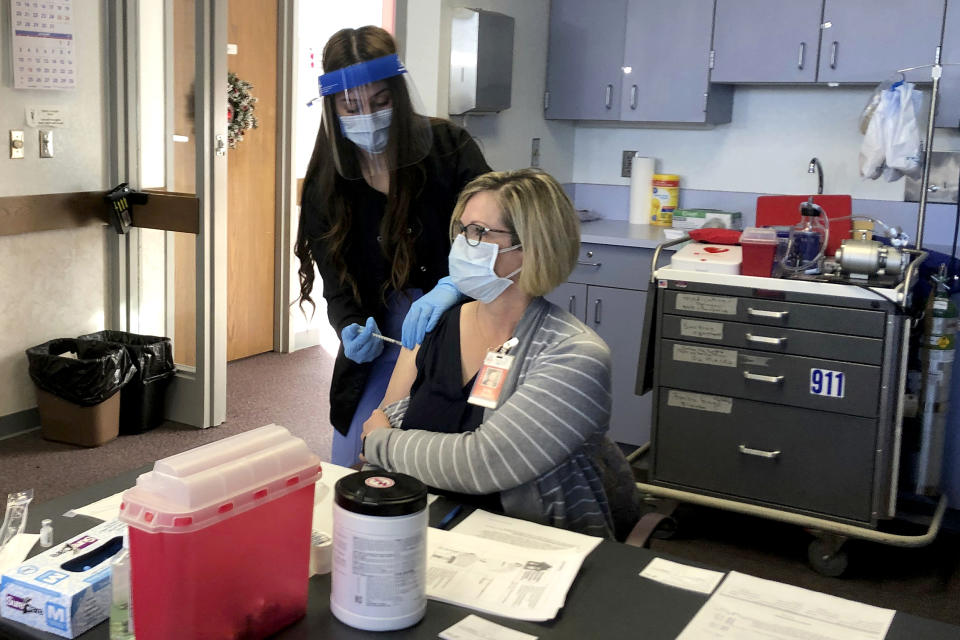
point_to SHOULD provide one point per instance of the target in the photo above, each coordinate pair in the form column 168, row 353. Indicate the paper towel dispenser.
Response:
column 481, row 61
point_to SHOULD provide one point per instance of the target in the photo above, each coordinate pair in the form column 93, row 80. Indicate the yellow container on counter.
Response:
column 666, row 194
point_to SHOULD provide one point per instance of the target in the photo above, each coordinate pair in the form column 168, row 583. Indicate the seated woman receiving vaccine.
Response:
column 509, row 397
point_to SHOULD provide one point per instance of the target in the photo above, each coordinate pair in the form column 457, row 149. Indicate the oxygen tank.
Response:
column 936, row 354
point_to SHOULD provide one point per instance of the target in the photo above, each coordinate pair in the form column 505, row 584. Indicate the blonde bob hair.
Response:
column 540, row 217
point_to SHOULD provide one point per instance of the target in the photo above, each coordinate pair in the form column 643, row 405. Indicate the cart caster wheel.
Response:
column 666, row 529
column 826, row 559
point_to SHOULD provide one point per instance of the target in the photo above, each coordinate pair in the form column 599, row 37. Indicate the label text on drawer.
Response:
column 704, row 355
column 824, row 382
column 699, row 401
column 701, row 329
column 706, row 304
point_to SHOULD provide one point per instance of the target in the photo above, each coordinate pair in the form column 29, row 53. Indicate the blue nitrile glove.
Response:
column 426, row 311
column 358, row 342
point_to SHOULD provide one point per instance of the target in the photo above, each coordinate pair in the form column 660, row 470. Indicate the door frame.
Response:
column 197, row 395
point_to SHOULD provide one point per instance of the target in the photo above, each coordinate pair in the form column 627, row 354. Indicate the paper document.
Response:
column 16, row 550
column 523, row 533
column 475, row 628
column 323, row 495
column 749, row 608
column 106, row 509
column 682, row 576
column 498, row 578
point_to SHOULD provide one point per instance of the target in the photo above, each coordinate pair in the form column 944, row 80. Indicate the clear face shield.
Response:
column 370, row 118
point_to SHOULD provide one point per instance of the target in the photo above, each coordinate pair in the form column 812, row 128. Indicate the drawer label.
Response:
column 707, row 304
column 699, row 401
column 704, row 355
column 701, row 329
column 824, row 382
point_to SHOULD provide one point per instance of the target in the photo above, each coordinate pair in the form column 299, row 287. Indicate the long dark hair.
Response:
column 325, row 189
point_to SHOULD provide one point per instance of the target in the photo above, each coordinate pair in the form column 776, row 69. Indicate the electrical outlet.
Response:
column 535, row 152
column 626, row 163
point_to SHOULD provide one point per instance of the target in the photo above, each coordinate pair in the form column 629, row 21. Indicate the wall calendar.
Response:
column 44, row 50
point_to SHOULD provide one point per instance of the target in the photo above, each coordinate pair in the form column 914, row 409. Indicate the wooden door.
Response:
column 182, row 179
column 251, row 185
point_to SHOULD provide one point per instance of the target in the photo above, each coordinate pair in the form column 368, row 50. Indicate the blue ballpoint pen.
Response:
column 448, row 518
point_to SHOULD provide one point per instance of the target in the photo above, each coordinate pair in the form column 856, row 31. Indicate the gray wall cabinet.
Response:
column 868, row 40
column 616, row 314
column 948, row 108
column 667, row 50
column 586, row 53
column 799, row 41
column 665, row 44
column 766, row 40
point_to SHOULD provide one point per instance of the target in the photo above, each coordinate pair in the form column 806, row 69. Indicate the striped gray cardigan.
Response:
column 544, row 449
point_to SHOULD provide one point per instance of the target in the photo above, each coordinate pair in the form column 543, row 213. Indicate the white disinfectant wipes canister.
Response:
column 379, row 550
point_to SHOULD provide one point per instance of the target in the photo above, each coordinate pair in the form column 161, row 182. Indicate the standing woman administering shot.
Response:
column 376, row 206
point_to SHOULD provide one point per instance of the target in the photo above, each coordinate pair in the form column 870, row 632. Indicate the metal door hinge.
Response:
column 546, row 100
column 713, row 58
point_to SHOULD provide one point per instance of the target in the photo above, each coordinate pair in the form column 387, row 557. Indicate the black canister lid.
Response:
column 381, row 493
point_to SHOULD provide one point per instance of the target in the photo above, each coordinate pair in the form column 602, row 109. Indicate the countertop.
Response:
column 621, row 232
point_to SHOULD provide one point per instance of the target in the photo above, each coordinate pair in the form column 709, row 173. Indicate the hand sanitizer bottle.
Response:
column 121, row 606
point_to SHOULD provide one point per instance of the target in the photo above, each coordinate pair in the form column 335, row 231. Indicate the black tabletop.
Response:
column 608, row 599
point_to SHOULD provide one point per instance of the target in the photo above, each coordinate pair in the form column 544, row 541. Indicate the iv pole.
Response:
column 936, row 70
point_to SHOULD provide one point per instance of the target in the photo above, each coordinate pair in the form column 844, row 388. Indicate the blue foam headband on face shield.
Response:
column 361, row 73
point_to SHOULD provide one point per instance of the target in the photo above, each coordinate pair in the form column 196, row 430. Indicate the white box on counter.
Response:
column 698, row 218
column 66, row 589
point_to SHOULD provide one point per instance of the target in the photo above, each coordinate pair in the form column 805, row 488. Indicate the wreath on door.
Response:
column 240, row 103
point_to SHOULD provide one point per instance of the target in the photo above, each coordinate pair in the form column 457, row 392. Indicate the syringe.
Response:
column 386, row 339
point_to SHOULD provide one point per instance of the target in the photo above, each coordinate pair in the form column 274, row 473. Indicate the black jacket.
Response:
column 453, row 161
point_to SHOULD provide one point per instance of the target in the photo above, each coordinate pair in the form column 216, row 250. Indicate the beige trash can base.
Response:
column 64, row 421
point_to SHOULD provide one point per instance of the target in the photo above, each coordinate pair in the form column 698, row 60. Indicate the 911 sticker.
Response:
column 824, row 382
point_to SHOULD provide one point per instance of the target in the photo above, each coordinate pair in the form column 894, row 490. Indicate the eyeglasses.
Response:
column 474, row 232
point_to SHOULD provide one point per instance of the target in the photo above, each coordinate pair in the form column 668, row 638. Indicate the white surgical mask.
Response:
column 471, row 269
column 369, row 131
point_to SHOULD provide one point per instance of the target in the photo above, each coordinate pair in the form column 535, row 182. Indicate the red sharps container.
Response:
column 220, row 538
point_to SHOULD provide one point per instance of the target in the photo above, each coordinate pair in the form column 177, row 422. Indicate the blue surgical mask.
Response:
column 471, row 269
column 369, row 131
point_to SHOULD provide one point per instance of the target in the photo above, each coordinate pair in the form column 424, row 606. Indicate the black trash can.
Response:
column 77, row 389
column 142, row 400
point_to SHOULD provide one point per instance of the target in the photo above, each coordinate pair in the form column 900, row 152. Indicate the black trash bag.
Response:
column 142, row 402
column 97, row 373
column 151, row 355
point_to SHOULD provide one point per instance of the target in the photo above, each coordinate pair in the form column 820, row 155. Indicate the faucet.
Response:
column 816, row 167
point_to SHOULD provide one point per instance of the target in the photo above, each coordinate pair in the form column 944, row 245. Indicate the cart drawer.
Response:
column 827, row 385
column 799, row 458
column 776, row 339
column 792, row 315
column 613, row 266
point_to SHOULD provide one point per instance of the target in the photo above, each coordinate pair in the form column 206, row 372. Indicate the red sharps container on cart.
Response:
column 220, row 538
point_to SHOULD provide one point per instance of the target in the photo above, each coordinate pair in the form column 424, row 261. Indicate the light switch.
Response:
column 46, row 143
column 16, row 144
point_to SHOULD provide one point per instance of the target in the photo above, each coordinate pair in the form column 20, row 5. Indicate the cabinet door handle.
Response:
column 587, row 263
column 762, row 313
column 833, row 54
column 596, row 311
column 765, row 340
column 608, row 96
column 573, row 305
column 801, row 55
column 633, row 96
column 760, row 453
column 756, row 377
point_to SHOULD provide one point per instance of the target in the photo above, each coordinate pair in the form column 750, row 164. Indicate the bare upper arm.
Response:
column 404, row 374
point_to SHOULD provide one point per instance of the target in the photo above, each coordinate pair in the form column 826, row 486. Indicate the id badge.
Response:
column 490, row 380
